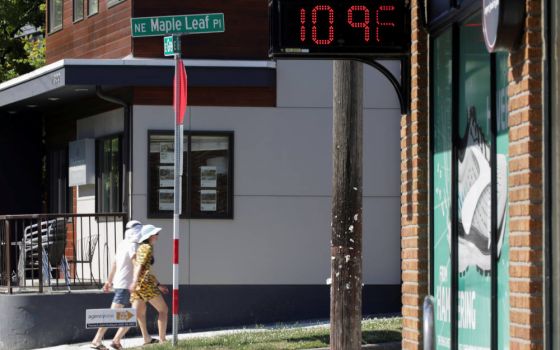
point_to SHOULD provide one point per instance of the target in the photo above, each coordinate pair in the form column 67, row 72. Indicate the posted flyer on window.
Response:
column 166, row 178
column 208, row 200
column 166, row 152
column 208, row 176
column 165, row 199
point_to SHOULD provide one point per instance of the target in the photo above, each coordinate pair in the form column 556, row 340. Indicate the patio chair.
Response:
column 87, row 252
column 53, row 244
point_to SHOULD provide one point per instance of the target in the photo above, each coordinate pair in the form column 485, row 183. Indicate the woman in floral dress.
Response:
column 145, row 287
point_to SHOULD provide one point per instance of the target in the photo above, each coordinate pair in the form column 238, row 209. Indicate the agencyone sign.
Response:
column 184, row 24
column 111, row 318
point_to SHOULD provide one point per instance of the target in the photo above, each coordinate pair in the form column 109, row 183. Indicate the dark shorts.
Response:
column 122, row 296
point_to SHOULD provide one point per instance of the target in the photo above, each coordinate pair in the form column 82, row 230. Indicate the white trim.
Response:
column 135, row 62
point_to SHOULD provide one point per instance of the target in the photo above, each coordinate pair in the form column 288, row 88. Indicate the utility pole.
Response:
column 346, row 227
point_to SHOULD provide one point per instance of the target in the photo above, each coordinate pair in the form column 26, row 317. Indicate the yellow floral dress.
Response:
column 146, row 287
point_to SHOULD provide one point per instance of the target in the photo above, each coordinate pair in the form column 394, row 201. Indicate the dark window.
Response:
column 109, row 175
column 207, row 184
column 78, row 10
column 59, row 194
column 55, row 15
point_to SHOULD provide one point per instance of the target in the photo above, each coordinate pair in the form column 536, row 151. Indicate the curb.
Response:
column 381, row 346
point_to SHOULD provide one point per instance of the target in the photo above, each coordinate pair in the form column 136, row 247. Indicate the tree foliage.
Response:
column 19, row 53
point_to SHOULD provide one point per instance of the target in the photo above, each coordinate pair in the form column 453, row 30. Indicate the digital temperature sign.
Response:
column 339, row 28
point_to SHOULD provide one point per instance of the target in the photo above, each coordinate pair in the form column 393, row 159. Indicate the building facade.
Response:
column 478, row 191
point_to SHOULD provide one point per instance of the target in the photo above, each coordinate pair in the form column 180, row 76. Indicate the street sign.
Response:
column 110, row 318
column 171, row 45
column 183, row 24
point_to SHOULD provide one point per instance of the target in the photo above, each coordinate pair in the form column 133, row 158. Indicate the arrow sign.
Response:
column 183, row 24
column 110, row 318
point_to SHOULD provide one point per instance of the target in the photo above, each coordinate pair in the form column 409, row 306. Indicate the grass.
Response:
column 379, row 330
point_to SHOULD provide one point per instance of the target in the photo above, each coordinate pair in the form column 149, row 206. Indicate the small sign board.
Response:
column 183, row 24
column 502, row 24
column 171, row 45
column 110, row 318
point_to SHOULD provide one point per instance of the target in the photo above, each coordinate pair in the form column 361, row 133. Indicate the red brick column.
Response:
column 526, row 186
column 414, row 190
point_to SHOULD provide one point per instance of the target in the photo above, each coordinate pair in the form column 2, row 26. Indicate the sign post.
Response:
column 177, row 26
column 180, row 107
column 346, row 31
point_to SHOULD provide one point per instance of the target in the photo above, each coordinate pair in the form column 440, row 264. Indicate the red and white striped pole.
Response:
column 180, row 107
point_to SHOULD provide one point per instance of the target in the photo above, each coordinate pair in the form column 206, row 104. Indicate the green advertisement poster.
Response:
column 442, row 190
column 474, row 191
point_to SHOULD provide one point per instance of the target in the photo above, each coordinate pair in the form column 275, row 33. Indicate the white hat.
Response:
column 133, row 223
column 147, row 232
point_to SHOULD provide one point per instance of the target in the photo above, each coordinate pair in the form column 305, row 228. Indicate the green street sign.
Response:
column 184, row 24
column 171, row 45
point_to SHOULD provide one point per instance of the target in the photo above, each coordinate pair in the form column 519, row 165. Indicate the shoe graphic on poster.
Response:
column 475, row 199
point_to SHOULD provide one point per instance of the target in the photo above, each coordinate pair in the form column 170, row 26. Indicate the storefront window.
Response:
column 207, row 187
column 474, row 307
column 442, row 117
column 469, row 165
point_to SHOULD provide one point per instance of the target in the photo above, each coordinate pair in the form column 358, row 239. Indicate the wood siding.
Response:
column 210, row 96
column 103, row 35
column 245, row 36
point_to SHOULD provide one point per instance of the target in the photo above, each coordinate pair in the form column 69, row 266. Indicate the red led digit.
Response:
column 314, row 21
column 364, row 24
column 382, row 24
column 302, row 21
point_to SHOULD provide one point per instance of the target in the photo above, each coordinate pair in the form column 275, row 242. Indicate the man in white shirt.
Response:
column 120, row 279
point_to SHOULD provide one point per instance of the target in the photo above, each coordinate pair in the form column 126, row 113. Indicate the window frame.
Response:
column 187, row 175
column 75, row 18
column 51, row 12
column 98, row 189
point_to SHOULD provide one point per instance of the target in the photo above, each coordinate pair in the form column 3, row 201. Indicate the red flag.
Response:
column 180, row 91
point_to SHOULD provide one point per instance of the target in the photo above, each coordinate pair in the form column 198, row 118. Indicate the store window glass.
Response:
column 55, row 15
column 207, row 183
column 109, row 174
column 474, row 189
column 441, row 182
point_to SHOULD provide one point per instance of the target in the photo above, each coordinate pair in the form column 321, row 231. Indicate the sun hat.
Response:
column 133, row 223
column 132, row 233
column 147, row 232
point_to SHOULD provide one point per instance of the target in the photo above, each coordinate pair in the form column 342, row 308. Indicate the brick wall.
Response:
column 526, row 186
column 414, row 190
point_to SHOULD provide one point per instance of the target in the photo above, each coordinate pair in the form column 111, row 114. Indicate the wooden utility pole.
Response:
column 346, row 234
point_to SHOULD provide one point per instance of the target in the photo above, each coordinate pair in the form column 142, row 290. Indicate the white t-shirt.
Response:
column 125, row 267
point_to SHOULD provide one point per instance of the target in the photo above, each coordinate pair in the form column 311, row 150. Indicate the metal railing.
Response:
column 57, row 251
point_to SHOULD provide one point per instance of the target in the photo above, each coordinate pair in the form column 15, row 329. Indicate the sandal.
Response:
column 116, row 346
column 152, row 341
column 98, row 347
